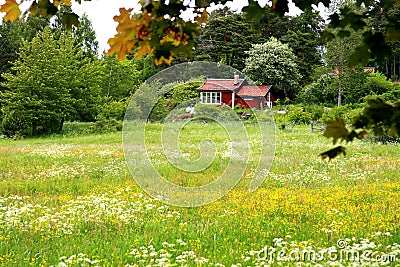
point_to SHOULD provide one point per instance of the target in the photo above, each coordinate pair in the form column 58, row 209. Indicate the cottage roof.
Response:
column 241, row 88
column 221, row 85
column 253, row 90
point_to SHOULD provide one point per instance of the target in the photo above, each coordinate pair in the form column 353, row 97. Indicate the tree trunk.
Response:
column 387, row 69
column 339, row 100
column 34, row 128
column 61, row 125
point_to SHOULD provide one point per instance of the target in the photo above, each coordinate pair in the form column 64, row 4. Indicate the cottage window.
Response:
column 211, row 97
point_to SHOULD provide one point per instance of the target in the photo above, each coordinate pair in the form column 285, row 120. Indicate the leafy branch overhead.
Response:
column 160, row 31
column 379, row 116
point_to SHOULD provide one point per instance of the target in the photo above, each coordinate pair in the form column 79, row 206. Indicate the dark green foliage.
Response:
column 103, row 125
column 352, row 86
column 145, row 66
column 303, row 38
column 392, row 95
column 185, row 91
column 319, row 92
column 226, row 38
column 160, row 111
column 377, row 84
column 389, row 22
column 382, row 117
column 355, row 85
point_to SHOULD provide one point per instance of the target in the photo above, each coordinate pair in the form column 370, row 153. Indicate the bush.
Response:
column 319, row 92
column 393, row 95
column 111, row 125
column 160, row 111
column 377, row 84
column 24, row 123
column 15, row 123
column 315, row 111
column 298, row 115
column 114, row 110
column 347, row 113
column 212, row 112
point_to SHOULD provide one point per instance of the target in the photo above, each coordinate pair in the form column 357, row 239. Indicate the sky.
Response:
column 101, row 13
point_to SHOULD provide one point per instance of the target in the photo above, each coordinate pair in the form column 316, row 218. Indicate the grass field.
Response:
column 71, row 201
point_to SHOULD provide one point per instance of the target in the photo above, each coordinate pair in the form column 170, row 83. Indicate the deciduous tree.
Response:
column 274, row 63
column 49, row 84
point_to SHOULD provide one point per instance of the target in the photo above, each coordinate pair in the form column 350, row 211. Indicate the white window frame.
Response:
column 269, row 103
column 211, row 98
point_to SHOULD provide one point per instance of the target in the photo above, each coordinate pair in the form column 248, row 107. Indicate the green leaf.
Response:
column 334, row 152
column 343, row 33
column 253, row 11
column 336, row 129
column 202, row 3
column 47, row 8
column 360, row 56
column 69, row 19
column 327, row 36
column 280, row 6
column 359, row 135
column 335, row 20
column 303, row 4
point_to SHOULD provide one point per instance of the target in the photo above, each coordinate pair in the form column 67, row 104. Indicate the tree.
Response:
column 84, row 35
column 12, row 35
column 49, row 83
column 160, row 31
column 389, row 65
column 303, row 39
column 226, row 37
column 274, row 63
column 120, row 78
column 337, row 56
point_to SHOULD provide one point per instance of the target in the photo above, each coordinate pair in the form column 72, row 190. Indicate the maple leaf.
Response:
column 57, row 3
column 336, row 129
column 121, row 45
column 203, row 18
column 67, row 2
column 143, row 50
column 159, row 61
column 359, row 135
column 124, row 20
column 334, row 152
column 11, row 8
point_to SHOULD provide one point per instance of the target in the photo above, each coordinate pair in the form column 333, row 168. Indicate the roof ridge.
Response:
column 221, row 79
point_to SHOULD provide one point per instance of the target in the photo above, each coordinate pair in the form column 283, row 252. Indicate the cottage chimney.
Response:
column 236, row 79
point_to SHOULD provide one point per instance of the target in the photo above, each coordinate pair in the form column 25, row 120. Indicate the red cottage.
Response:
column 234, row 92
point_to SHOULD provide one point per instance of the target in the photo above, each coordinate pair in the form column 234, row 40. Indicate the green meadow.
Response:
column 70, row 200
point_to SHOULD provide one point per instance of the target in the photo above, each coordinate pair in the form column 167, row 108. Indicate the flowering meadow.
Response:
column 71, row 201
